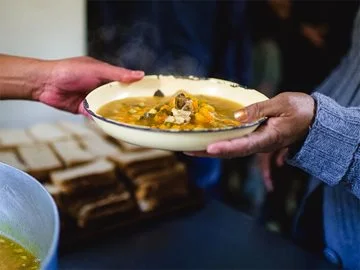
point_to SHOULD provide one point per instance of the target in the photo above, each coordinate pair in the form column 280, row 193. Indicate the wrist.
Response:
column 297, row 145
column 23, row 78
column 40, row 78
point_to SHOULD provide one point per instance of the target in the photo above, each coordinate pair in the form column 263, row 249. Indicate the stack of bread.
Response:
column 91, row 176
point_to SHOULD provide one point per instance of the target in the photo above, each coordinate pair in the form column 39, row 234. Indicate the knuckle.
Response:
column 254, row 112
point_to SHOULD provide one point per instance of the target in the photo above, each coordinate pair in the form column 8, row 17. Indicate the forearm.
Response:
column 21, row 78
column 330, row 151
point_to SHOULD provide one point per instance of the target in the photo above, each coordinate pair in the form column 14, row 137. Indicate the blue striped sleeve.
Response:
column 330, row 151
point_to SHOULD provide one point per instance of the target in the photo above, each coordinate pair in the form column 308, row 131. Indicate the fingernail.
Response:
column 240, row 115
column 137, row 73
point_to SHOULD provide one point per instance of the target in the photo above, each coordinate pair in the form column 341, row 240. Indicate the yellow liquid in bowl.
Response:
column 13, row 256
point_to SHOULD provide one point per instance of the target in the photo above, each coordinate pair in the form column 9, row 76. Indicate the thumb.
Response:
column 83, row 111
column 258, row 110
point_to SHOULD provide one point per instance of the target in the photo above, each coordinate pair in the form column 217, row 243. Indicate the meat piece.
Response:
column 179, row 117
column 180, row 101
column 158, row 93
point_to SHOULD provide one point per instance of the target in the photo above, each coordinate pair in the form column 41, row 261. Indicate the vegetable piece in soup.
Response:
column 181, row 111
column 14, row 256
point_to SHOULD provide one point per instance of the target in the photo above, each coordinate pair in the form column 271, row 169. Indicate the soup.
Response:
column 181, row 111
column 13, row 256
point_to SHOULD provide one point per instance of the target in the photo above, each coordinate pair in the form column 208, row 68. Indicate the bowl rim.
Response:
column 156, row 130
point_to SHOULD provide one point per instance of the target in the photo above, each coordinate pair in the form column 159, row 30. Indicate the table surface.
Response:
column 215, row 236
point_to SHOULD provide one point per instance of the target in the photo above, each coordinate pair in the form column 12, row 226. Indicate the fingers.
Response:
column 262, row 140
column 199, row 154
column 281, row 156
column 82, row 111
column 107, row 72
column 113, row 73
column 265, row 168
column 269, row 108
column 255, row 112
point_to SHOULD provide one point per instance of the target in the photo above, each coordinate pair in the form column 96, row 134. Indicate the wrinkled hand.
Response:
column 70, row 80
column 265, row 161
column 289, row 117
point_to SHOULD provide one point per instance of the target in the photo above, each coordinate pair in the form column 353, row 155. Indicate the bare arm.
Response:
column 62, row 84
column 20, row 77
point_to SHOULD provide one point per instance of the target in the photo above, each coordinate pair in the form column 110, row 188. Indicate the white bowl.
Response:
column 169, row 139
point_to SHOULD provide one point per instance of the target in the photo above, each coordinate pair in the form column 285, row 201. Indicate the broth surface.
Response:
column 13, row 256
column 181, row 111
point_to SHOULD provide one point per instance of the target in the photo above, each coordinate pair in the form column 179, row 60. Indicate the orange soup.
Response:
column 181, row 111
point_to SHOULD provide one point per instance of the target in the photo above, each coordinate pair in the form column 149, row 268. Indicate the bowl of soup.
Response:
column 29, row 223
column 172, row 113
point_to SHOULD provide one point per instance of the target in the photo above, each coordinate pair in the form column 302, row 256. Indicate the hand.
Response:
column 316, row 35
column 289, row 117
column 265, row 161
column 70, row 80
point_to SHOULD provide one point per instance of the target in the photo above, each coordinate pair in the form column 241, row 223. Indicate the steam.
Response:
column 143, row 49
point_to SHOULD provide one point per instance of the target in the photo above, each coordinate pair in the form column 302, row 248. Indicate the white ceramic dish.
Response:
column 168, row 139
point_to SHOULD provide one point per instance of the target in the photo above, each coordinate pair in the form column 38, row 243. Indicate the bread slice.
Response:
column 127, row 147
column 11, row 138
column 46, row 133
column 71, row 153
column 154, row 188
column 40, row 160
column 96, row 174
column 136, row 163
column 77, row 130
column 10, row 158
column 99, row 147
column 65, row 200
column 94, row 127
column 110, row 205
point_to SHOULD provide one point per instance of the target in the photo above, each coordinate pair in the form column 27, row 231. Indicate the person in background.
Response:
column 321, row 132
column 178, row 38
column 296, row 44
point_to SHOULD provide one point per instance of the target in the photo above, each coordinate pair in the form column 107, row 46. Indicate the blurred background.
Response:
column 272, row 46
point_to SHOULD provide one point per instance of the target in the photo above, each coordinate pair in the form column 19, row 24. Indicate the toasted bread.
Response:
column 136, row 163
column 77, row 130
column 94, row 127
column 98, row 173
column 99, row 147
column 111, row 205
column 10, row 158
column 127, row 147
column 158, row 186
column 40, row 160
column 46, row 133
column 71, row 153
column 11, row 138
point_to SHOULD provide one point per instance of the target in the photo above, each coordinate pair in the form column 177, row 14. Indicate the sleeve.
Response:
column 331, row 149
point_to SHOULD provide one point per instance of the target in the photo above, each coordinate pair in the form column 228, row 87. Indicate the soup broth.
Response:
column 179, row 112
column 13, row 256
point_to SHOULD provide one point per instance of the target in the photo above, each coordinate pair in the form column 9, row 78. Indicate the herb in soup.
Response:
column 13, row 256
column 181, row 111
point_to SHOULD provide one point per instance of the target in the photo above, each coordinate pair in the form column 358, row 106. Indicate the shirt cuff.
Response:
column 329, row 148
